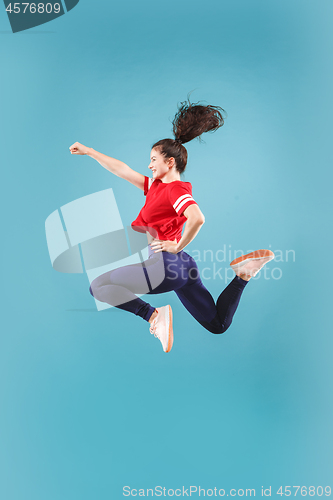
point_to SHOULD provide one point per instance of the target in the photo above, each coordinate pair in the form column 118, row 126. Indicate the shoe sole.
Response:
column 170, row 329
column 258, row 254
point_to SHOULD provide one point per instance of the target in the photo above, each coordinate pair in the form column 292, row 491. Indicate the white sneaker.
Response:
column 161, row 327
column 250, row 264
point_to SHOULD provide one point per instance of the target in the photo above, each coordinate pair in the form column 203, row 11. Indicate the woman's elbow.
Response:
column 202, row 220
column 194, row 214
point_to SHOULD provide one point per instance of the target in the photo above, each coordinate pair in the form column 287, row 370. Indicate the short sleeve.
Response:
column 147, row 184
column 181, row 196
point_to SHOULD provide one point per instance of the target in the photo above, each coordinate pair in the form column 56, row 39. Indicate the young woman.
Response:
column 169, row 204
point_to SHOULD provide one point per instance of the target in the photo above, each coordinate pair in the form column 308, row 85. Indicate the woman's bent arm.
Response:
column 116, row 167
column 195, row 219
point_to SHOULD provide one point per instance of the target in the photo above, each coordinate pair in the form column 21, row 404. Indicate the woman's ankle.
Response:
column 244, row 277
column 153, row 316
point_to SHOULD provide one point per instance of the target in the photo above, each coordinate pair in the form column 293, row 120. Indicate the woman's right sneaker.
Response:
column 250, row 264
column 161, row 327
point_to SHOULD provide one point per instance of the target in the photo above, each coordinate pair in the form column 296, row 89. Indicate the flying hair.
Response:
column 190, row 121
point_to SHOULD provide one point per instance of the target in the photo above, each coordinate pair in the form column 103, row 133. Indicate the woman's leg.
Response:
column 216, row 318
column 154, row 276
column 118, row 288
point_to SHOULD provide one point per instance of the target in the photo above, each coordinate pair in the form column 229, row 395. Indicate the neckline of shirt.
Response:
column 166, row 183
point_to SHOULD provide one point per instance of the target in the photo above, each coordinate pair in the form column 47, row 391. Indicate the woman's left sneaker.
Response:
column 250, row 264
column 161, row 327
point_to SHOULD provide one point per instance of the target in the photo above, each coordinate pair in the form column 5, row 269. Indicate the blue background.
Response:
column 89, row 401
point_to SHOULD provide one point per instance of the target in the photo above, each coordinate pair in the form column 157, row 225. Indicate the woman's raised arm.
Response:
column 116, row 167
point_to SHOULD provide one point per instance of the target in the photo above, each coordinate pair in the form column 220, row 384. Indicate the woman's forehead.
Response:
column 155, row 152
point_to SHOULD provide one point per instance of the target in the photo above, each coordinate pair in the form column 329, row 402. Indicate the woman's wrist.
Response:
column 89, row 151
column 179, row 246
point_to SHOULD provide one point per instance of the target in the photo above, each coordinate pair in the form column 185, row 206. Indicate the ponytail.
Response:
column 191, row 121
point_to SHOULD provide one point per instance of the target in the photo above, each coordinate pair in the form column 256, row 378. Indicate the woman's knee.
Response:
column 217, row 331
column 216, row 327
column 94, row 288
column 98, row 283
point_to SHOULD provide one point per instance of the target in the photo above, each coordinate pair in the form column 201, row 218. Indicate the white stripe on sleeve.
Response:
column 180, row 199
column 182, row 203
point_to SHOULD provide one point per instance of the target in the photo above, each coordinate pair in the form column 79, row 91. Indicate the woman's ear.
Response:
column 171, row 162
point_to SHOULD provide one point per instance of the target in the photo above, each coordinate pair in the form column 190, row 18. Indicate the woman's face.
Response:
column 159, row 165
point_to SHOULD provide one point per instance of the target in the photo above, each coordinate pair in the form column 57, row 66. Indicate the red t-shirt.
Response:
column 162, row 214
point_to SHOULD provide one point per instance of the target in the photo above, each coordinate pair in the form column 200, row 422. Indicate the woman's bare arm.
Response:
column 116, row 167
column 195, row 219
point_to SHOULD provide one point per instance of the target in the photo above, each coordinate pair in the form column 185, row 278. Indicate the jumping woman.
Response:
column 169, row 205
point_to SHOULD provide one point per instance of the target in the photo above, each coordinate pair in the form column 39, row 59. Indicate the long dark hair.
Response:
column 191, row 121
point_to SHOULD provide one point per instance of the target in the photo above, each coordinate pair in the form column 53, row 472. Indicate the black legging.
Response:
column 164, row 272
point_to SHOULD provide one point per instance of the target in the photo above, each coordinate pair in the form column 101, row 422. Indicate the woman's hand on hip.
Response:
column 78, row 149
column 164, row 246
